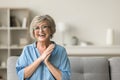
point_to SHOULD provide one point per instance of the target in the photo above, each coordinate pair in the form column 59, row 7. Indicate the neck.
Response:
column 43, row 44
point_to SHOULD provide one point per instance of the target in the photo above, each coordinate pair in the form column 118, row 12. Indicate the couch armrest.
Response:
column 11, row 70
column 115, row 68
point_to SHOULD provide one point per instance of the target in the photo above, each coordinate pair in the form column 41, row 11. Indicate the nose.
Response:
column 41, row 30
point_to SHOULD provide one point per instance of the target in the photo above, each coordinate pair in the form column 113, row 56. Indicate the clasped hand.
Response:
column 46, row 54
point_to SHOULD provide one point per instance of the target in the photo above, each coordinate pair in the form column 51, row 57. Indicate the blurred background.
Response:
column 92, row 24
column 88, row 20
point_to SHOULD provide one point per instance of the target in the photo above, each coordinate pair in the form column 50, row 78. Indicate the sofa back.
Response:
column 83, row 68
column 89, row 68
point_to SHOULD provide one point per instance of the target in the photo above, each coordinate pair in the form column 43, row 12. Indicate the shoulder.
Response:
column 29, row 46
column 60, row 50
column 27, row 50
column 59, row 47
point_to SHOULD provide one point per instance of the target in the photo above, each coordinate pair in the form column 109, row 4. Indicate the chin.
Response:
column 42, row 39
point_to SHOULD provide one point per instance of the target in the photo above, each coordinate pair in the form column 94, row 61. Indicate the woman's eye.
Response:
column 37, row 28
column 45, row 26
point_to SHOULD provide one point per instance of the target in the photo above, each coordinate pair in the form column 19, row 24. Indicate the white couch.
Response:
column 83, row 68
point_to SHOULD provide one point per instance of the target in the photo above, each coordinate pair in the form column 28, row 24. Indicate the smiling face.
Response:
column 42, row 31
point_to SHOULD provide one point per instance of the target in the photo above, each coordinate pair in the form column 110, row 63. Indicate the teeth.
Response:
column 41, row 34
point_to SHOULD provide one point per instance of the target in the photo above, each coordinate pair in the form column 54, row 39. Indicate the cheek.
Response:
column 50, row 32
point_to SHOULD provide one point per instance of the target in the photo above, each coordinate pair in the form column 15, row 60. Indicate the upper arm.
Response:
column 21, row 64
column 65, row 66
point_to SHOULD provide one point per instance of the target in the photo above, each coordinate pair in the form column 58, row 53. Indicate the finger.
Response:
column 50, row 47
column 46, row 52
column 47, row 56
column 49, row 52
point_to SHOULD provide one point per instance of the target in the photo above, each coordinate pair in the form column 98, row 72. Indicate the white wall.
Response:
column 89, row 19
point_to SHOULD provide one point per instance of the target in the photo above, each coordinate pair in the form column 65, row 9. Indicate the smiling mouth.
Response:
column 42, row 35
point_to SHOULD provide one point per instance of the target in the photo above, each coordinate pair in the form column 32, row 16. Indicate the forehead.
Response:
column 45, row 22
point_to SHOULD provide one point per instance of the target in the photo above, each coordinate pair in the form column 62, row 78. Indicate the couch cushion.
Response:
column 11, row 69
column 76, row 68
column 89, row 68
column 115, row 68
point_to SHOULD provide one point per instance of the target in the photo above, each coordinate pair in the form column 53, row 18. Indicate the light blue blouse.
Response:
column 58, row 58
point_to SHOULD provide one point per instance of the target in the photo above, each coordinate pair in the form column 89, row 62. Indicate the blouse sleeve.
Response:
column 21, row 64
column 65, row 66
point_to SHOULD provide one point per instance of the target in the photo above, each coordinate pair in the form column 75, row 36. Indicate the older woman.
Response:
column 43, row 59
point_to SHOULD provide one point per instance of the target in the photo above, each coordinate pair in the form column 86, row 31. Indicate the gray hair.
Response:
column 38, row 19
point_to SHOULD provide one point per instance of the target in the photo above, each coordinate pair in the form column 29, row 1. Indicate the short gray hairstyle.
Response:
column 38, row 19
